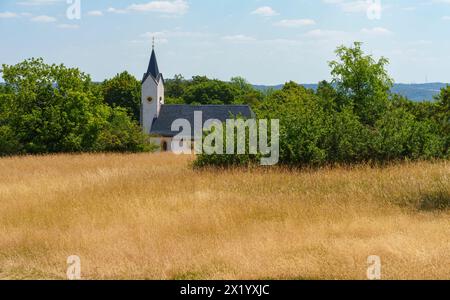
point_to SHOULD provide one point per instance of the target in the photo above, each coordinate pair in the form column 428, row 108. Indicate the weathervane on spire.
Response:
column 153, row 43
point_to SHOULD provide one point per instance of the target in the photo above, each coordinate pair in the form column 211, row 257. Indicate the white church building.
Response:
column 157, row 117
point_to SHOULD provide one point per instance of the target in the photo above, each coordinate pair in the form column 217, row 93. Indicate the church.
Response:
column 157, row 117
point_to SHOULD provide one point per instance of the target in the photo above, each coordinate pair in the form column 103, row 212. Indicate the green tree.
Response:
column 241, row 85
column 176, row 87
column 121, row 134
column 204, row 91
column 303, row 125
column 328, row 95
column 361, row 82
column 245, row 92
column 443, row 114
column 400, row 135
column 52, row 108
column 123, row 90
column 354, row 119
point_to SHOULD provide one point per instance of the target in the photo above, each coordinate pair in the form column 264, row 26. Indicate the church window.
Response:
column 164, row 146
column 149, row 99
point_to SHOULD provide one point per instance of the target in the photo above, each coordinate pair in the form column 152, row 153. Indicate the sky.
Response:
column 265, row 41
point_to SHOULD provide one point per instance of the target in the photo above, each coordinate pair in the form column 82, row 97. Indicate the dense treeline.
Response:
column 51, row 108
column 203, row 91
column 354, row 118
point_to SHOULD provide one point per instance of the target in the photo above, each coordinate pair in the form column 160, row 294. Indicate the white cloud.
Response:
column 68, row 26
column 39, row 2
column 265, row 11
column 8, row 15
column 95, row 13
column 325, row 34
column 162, row 37
column 238, row 38
column 358, row 6
column 446, row 18
column 116, row 11
column 376, row 31
column 292, row 23
column 168, row 7
column 43, row 19
column 409, row 8
column 173, row 33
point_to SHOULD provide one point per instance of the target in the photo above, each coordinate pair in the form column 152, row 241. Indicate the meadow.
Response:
column 153, row 216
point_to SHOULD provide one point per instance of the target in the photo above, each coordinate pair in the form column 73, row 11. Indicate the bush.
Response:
column 123, row 90
column 399, row 136
column 8, row 141
column 121, row 134
column 348, row 140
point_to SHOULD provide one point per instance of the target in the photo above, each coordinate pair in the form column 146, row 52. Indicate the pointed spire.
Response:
column 153, row 66
column 152, row 69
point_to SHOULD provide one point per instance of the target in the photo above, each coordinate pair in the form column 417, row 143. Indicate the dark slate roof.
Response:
column 152, row 69
column 169, row 113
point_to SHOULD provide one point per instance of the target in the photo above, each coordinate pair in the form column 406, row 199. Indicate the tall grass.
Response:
column 152, row 216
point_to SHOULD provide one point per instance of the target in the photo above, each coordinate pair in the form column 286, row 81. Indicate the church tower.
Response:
column 152, row 93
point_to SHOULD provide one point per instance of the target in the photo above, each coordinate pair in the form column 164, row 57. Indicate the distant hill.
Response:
column 419, row 92
column 414, row 92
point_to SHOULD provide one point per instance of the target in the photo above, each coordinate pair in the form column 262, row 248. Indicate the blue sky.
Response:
column 265, row 41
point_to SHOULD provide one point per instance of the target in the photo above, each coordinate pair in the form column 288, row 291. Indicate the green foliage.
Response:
column 442, row 115
column 361, row 82
column 399, row 135
column 121, row 134
column 123, row 90
column 354, row 119
column 209, row 92
column 51, row 108
column 9, row 143
column 348, row 140
column 204, row 91
column 176, row 87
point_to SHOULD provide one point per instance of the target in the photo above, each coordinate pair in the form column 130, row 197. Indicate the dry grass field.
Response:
column 151, row 216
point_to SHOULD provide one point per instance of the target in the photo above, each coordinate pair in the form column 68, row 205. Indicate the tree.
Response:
column 246, row 93
column 175, row 87
column 361, row 82
column 354, row 119
column 443, row 114
column 204, row 91
column 328, row 95
column 123, row 90
column 241, row 85
column 52, row 108
column 400, row 135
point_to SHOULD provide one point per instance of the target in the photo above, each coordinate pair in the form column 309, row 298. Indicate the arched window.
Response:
column 164, row 146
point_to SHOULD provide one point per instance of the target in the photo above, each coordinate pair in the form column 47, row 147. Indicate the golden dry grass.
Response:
column 151, row 216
